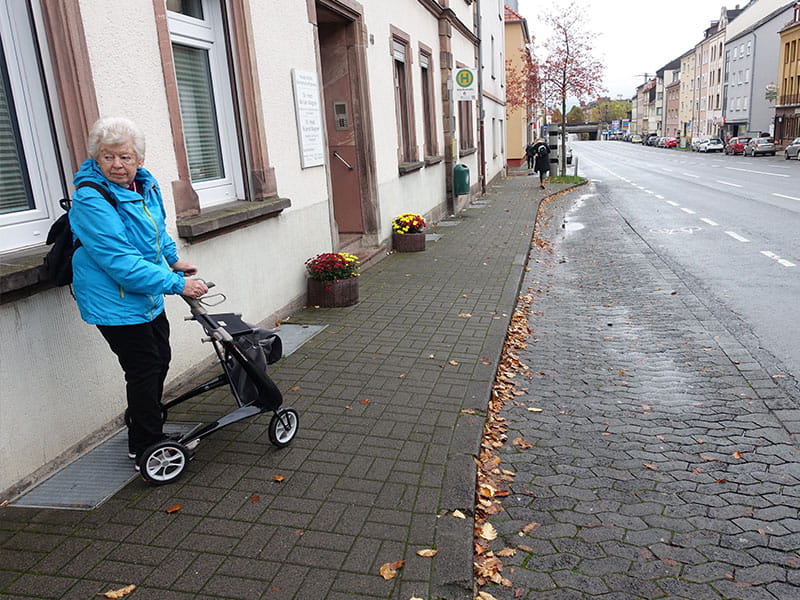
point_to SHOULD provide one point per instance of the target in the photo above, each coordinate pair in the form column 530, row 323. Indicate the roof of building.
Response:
column 512, row 15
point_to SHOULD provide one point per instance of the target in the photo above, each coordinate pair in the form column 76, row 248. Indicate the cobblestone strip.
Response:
column 656, row 469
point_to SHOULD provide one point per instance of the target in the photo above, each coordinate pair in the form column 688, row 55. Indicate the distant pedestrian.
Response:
column 530, row 155
column 541, row 163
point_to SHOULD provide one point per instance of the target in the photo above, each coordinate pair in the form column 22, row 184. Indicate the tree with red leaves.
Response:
column 522, row 83
column 570, row 69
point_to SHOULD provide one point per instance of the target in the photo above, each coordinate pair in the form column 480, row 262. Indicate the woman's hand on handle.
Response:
column 194, row 288
column 184, row 267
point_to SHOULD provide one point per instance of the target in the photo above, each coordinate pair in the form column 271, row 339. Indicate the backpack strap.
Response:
column 98, row 188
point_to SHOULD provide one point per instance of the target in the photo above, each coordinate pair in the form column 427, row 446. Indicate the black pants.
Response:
column 530, row 162
column 144, row 354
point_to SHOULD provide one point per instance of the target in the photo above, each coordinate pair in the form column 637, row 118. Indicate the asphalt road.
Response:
column 730, row 225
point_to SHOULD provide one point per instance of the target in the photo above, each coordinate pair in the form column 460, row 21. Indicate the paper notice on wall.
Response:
column 309, row 118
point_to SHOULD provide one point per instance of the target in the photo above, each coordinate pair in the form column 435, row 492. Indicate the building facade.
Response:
column 518, row 118
column 687, row 96
column 751, row 61
column 787, row 107
column 277, row 130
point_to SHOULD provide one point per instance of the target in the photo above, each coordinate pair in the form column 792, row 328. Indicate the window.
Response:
column 406, row 146
column 428, row 111
column 206, row 100
column 30, row 177
column 747, row 75
column 749, row 48
column 466, row 139
column 494, row 66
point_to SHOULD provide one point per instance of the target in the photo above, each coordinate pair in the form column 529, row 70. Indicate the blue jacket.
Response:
column 121, row 271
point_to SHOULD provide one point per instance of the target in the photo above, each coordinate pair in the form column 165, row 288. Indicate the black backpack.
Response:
column 57, row 266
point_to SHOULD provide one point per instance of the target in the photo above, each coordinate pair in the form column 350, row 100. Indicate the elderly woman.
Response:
column 126, row 263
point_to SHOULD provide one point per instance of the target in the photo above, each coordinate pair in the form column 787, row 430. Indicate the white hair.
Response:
column 111, row 131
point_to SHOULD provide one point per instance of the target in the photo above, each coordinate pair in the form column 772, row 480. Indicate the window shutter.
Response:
column 15, row 195
column 399, row 51
column 198, row 113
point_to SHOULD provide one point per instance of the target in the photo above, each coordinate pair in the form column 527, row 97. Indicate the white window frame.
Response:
column 208, row 34
column 29, row 228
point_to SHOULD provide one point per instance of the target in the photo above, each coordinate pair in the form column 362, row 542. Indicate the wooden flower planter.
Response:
column 332, row 294
column 408, row 242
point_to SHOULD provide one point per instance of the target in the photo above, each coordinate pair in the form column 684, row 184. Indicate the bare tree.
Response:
column 570, row 69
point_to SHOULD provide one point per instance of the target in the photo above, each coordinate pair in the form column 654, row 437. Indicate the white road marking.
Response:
column 659, row 196
column 690, row 175
column 778, row 259
column 710, row 222
column 688, row 211
column 736, row 236
column 787, row 197
column 728, row 183
column 670, row 202
column 759, row 172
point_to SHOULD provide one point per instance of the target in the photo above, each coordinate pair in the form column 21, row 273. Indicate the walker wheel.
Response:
column 283, row 427
column 163, row 462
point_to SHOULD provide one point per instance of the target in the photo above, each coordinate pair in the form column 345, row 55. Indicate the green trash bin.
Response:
column 461, row 179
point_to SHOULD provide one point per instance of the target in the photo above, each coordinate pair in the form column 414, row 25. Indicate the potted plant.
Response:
column 407, row 234
column 332, row 279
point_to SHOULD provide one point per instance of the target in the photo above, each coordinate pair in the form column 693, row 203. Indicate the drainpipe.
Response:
column 481, row 115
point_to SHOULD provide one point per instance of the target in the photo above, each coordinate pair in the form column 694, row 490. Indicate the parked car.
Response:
column 651, row 140
column 736, row 145
column 696, row 143
column 762, row 145
column 793, row 149
column 636, row 139
column 711, row 145
column 671, row 142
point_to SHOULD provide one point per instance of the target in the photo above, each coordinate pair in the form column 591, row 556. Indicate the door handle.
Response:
column 346, row 164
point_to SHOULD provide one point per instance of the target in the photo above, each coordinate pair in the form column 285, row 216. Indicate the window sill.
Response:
column 433, row 160
column 410, row 167
column 227, row 217
column 467, row 151
column 20, row 273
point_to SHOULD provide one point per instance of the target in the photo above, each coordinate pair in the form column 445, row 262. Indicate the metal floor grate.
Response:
column 93, row 478
column 100, row 473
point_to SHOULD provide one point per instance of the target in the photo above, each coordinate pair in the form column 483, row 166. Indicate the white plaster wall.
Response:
column 422, row 190
column 492, row 25
column 59, row 382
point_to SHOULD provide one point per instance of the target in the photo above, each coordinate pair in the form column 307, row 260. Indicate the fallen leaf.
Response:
column 431, row 356
column 255, row 499
column 278, row 478
column 459, row 515
column 522, row 444
column 530, row 527
column 507, row 552
column 173, row 509
column 465, row 315
column 427, row 553
column 120, row 593
column 525, row 548
column 484, row 596
column 488, row 532
column 532, row 409
column 453, row 362
column 737, row 455
column 389, row 570
column 651, row 466
column 294, row 389
column 722, row 480
column 365, row 401
column 621, row 373
column 646, row 407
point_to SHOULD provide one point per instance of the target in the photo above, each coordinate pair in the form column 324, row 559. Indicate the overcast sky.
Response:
column 635, row 36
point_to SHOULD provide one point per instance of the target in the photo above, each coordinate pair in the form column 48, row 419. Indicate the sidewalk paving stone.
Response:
column 383, row 452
